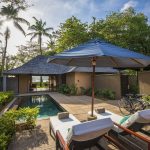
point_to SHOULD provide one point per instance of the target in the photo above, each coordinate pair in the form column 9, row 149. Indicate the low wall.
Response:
column 144, row 82
column 109, row 81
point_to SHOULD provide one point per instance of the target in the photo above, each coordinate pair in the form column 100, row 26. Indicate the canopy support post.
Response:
column 93, row 85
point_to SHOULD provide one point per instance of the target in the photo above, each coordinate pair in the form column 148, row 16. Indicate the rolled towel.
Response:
column 63, row 115
column 100, row 110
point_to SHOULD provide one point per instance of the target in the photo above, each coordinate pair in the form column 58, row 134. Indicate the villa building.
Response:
column 27, row 78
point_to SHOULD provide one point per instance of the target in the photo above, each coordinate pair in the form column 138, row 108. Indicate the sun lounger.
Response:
column 129, row 127
column 72, row 134
column 63, row 125
column 134, row 122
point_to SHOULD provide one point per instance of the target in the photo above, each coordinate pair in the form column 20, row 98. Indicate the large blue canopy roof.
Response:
column 107, row 55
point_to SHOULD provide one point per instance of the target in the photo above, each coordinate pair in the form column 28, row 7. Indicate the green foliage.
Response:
column 38, row 30
column 70, row 90
column 6, row 97
column 100, row 93
column 127, row 29
column 50, row 53
column 20, row 4
column 134, row 89
column 7, row 129
column 71, row 33
column 27, row 115
column 105, row 93
column 4, row 140
column 64, row 89
column 83, row 91
column 73, row 89
column 146, row 98
column 89, row 92
column 7, row 123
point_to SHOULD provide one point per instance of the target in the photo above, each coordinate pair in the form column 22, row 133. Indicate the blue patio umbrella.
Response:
column 100, row 53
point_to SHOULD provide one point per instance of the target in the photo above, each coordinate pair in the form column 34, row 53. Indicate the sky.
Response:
column 55, row 12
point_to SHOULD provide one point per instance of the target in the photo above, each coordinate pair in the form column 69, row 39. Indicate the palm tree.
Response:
column 38, row 30
column 11, row 13
column 7, row 36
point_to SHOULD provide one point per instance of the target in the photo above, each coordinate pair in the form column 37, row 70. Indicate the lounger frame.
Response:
column 132, row 133
column 61, row 144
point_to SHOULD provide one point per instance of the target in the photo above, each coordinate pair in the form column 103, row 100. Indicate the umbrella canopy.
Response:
column 101, row 54
column 106, row 55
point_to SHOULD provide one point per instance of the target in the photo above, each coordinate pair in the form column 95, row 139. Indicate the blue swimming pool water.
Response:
column 47, row 106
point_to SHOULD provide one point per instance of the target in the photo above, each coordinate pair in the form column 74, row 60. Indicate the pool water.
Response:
column 47, row 106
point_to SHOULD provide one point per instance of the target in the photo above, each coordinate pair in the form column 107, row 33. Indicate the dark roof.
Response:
column 39, row 66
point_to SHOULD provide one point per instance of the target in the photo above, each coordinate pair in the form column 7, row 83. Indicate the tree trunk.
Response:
column 40, row 42
column 4, row 54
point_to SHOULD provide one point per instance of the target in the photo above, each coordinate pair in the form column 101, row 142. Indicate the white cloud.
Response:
column 129, row 4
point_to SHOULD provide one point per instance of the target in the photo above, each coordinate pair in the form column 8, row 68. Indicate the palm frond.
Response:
column 17, row 25
column 48, row 29
column 34, row 36
column 31, row 33
column 46, row 34
column 21, row 20
column 35, row 19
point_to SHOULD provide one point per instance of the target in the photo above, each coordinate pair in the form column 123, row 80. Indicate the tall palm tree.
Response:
column 11, row 13
column 6, row 36
column 38, row 30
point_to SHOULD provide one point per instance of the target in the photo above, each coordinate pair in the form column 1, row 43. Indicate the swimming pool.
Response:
column 47, row 106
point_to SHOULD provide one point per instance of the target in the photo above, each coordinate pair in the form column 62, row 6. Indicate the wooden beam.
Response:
column 134, row 133
column 59, row 139
column 137, row 61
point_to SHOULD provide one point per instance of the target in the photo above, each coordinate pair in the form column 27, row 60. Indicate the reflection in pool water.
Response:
column 45, row 103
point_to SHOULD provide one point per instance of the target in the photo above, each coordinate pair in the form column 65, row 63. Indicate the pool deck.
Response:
column 79, row 106
column 40, row 139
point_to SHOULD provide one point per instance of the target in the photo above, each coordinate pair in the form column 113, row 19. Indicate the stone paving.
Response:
column 40, row 139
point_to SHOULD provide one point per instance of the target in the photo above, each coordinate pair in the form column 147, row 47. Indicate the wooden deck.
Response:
column 40, row 139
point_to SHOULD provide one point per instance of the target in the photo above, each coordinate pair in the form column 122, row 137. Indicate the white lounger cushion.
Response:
column 89, row 130
column 107, row 114
column 63, row 125
column 139, row 117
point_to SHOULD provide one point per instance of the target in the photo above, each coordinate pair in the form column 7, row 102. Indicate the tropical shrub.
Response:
column 83, row 91
column 7, row 123
column 101, row 93
column 89, row 92
column 146, row 98
column 64, row 89
column 73, row 89
column 134, row 89
column 7, row 129
column 105, row 93
column 27, row 115
column 6, row 97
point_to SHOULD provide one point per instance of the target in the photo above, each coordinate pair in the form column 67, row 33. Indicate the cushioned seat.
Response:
column 142, row 117
column 89, row 130
column 63, row 125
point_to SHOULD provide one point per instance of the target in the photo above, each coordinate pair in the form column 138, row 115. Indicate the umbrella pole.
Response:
column 93, row 85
